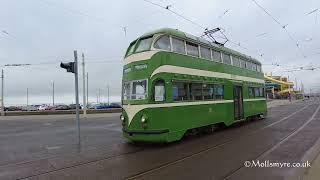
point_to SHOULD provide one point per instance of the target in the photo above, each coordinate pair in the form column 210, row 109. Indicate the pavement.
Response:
column 45, row 147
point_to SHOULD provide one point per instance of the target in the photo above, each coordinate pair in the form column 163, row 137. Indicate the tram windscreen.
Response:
column 144, row 44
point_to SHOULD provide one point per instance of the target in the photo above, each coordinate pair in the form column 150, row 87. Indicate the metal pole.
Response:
column 52, row 93
column 87, row 89
column 99, row 95
column 108, row 94
column 84, row 87
column 27, row 97
column 77, row 95
column 2, row 88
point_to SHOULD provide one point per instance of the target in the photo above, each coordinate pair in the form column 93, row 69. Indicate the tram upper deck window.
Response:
column 178, row 46
column 236, row 61
column 192, row 49
column 205, row 52
column 139, row 90
column 242, row 63
column 254, row 67
column 226, row 58
column 144, row 44
column 216, row 55
column 258, row 68
column 131, row 48
column 163, row 43
column 249, row 65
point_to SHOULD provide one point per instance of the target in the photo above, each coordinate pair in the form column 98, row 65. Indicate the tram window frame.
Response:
column 156, row 97
column 185, row 87
column 131, row 48
column 236, row 59
column 208, row 52
column 225, row 59
column 243, row 63
column 259, row 68
column 214, row 53
column 135, row 95
column 192, row 49
column 126, row 96
column 194, row 90
column 161, row 38
column 208, row 91
column 218, row 96
column 251, row 92
column 175, row 47
column 254, row 67
column 249, row 65
column 137, row 46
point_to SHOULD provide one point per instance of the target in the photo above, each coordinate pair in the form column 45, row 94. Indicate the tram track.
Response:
column 270, row 150
column 138, row 175
column 172, row 162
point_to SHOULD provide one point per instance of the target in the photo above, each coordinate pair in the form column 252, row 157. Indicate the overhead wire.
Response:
column 281, row 25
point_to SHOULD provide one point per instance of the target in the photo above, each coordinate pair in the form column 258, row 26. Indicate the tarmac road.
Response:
column 44, row 147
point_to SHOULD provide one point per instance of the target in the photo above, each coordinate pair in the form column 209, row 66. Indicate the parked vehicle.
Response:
column 13, row 108
column 29, row 108
column 43, row 107
column 73, row 106
column 62, row 107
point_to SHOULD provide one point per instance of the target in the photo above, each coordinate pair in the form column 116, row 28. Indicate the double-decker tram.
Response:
column 174, row 82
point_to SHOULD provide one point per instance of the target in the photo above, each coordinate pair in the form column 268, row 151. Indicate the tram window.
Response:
column 216, row 55
column 126, row 90
column 254, row 67
column 208, row 91
column 258, row 68
column 163, row 43
column 180, row 91
column 159, row 91
column 131, row 48
column 205, row 52
column 192, row 49
column 242, row 63
column 139, row 90
column 196, row 91
column 251, row 92
column 236, row 61
column 178, row 46
column 249, row 66
column 218, row 91
column 256, row 92
column 144, row 44
column 259, row 92
column 226, row 58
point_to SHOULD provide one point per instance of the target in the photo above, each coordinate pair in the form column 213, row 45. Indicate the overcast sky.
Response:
column 46, row 32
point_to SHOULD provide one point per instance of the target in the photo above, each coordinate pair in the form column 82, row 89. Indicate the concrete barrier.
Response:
column 49, row 112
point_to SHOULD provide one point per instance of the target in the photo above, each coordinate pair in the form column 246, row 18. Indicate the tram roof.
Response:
column 181, row 34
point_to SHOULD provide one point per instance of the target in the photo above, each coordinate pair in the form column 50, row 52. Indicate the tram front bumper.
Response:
column 160, row 135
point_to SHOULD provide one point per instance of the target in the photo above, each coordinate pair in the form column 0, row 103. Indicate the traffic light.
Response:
column 70, row 67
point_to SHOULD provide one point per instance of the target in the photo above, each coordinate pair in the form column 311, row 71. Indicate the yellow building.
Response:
column 278, row 87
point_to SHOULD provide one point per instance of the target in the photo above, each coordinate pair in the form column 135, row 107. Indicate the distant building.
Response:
column 278, row 87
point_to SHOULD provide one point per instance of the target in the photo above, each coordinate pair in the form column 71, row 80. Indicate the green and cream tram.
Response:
column 174, row 82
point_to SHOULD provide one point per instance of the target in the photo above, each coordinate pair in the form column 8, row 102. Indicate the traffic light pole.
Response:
column 77, row 96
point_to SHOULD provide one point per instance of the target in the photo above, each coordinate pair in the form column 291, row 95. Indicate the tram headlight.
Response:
column 143, row 119
column 122, row 118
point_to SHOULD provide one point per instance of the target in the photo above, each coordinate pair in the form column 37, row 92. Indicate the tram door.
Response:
column 238, row 102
